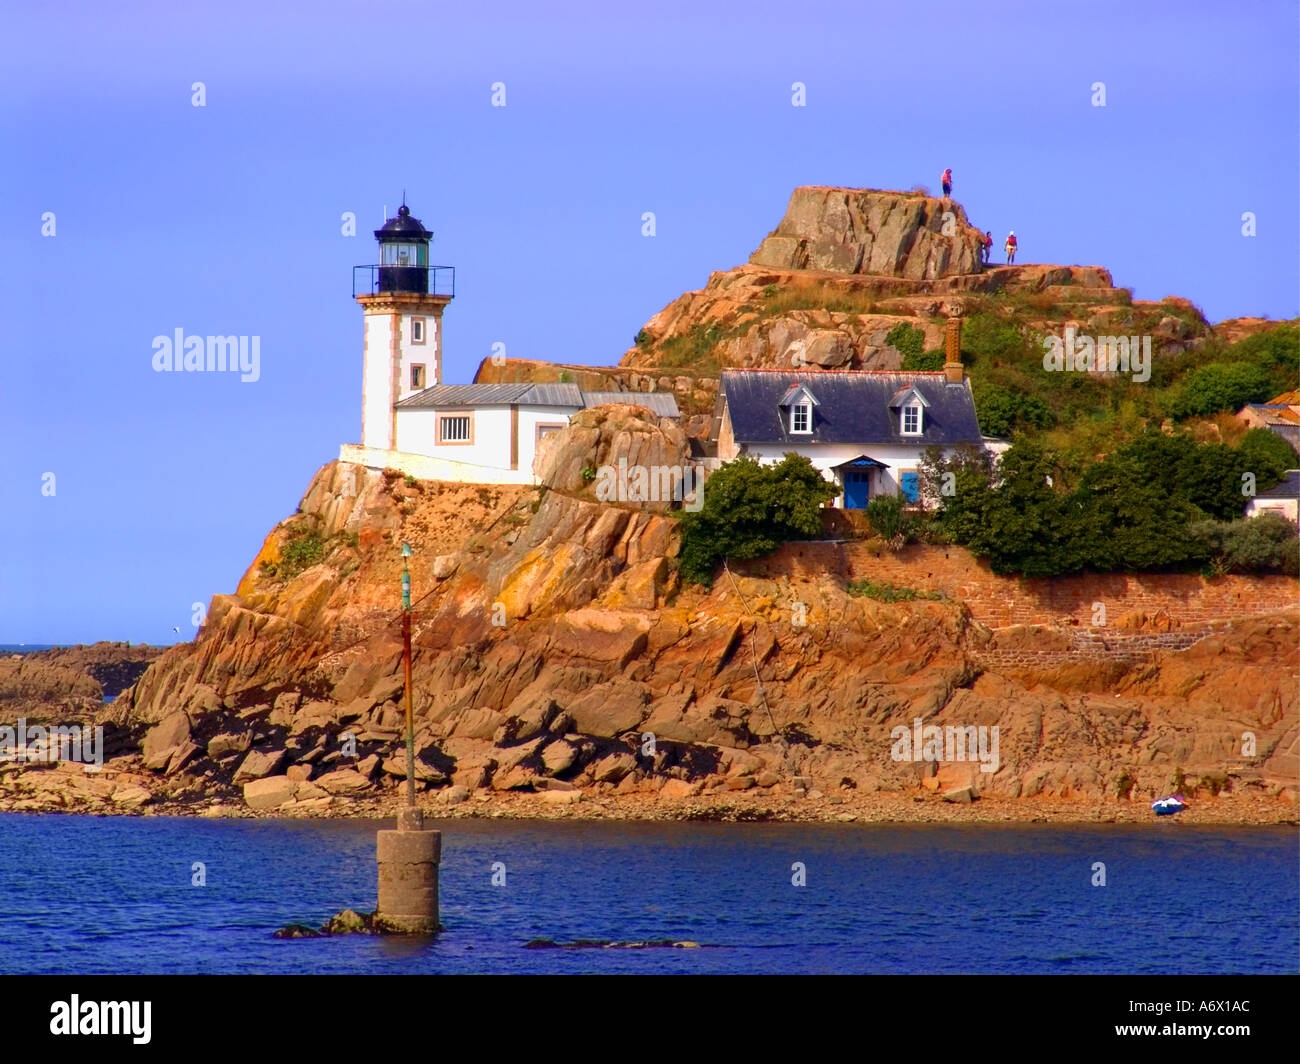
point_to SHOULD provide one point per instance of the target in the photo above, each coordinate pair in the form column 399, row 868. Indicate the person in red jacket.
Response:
column 1011, row 247
column 986, row 246
column 946, row 181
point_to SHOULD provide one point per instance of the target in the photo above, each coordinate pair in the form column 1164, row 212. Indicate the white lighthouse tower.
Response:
column 402, row 298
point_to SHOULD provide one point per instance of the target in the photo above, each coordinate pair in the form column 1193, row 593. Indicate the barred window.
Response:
column 454, row 429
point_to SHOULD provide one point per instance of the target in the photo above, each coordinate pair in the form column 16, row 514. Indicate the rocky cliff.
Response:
column 557, row 661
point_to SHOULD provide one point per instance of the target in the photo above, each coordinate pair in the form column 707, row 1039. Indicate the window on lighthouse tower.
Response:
column 405, row 255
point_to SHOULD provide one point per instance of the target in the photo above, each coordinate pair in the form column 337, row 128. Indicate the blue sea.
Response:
column 115, row 895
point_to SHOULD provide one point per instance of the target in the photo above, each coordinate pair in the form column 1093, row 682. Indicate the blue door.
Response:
column 856, row 489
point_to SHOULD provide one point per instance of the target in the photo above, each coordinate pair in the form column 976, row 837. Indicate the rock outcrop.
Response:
column 871, row 231
column 70, row 680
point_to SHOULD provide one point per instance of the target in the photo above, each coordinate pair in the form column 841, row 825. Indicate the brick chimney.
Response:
column 953, row 370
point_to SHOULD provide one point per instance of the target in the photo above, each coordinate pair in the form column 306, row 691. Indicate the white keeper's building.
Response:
column 410, row 420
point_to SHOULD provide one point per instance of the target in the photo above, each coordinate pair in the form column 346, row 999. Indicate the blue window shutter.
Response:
column 911, row 483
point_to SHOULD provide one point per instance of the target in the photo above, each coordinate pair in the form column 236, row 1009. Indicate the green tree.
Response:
column 749, row 510
column 1267, row 453
column 1276, row 351
column 1001, row 411
column 1121, row 517
column 1220, row 386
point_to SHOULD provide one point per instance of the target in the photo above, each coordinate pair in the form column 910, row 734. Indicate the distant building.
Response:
column 1280, row 415
column 865, row 430
column 410, row 420
column 1282, row 498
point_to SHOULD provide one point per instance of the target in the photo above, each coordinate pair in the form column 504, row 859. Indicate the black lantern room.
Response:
column 404, row 254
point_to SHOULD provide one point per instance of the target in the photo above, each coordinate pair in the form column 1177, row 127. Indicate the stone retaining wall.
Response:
column 1002, row 601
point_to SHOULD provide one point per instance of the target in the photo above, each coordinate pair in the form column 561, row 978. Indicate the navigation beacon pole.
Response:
column 406, row 668
column 408, row 857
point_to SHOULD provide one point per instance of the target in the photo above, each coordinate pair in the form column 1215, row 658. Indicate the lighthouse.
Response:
column 402, row 298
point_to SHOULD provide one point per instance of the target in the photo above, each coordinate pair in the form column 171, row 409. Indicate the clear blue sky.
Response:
column 225, row 219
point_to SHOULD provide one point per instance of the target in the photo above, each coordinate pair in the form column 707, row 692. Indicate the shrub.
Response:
column 906, row 340
column 924, row 362
column 1267, row 543
column 986, row 336
column 885, row 592
column 885, row 512
column 302, row 549
column 749, row 510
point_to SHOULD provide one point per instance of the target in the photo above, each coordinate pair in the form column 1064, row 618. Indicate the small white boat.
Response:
column 1168, row 806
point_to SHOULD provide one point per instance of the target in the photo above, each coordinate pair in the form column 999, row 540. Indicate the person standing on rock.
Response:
column 946, row 181
column 986, row 246
column 1011, row 247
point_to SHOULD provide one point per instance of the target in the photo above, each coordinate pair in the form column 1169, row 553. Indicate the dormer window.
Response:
column 912, row 419
column 801, row 418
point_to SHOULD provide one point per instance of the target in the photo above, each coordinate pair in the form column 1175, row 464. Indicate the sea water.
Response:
column 120, row 895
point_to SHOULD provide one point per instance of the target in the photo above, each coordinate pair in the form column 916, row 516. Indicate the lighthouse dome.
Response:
column 404, row 225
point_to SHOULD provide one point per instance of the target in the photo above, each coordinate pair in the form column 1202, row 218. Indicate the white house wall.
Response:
column 826, row 456
column 1288, row 508
column 417, row 434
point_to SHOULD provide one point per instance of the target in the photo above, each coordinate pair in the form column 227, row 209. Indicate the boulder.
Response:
column 259, row 764
column 602, row 437
column 131, row 796
column 181, row 756
column 613, row 767
column 270, row 793
column 344, row 781
column 227, row 743
column 559, row 756
column 828, row 348
column 680, row 789
column 609, row 709
column 161, row 741
column 562, row 797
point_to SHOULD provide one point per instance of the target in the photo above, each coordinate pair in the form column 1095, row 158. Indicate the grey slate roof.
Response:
column 853, row 407
column 524, row 394
column 661, row 403
column 1286, row 488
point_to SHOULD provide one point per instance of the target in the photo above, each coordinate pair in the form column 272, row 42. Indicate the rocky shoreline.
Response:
column 125, row 790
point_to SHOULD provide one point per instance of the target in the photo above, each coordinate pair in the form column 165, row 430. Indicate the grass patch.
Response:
column 886, row 592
